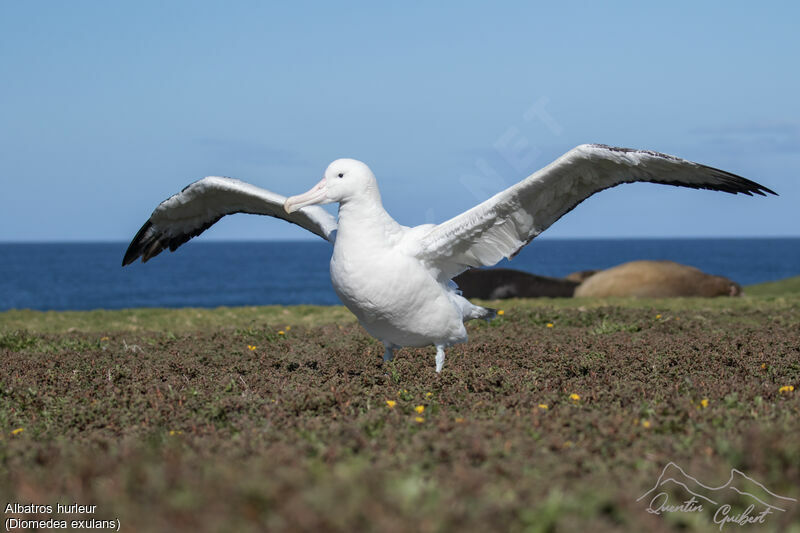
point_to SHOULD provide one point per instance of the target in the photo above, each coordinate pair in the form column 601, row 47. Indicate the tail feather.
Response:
column 470, row 311
column 489, row 314
column 486, row 313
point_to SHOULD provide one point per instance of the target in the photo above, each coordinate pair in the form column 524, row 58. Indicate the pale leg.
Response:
column 439, row 357
column 388, row 355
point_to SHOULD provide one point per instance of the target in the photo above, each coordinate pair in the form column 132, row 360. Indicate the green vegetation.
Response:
column 554, row 417
column 775, row 288
column 170, row 320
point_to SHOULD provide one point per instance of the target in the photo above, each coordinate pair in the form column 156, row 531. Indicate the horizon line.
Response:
column 299, row 240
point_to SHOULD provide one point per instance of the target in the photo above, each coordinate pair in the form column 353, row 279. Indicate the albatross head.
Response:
column 344, row 179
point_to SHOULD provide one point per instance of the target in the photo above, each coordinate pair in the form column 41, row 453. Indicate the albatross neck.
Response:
column 363, row 216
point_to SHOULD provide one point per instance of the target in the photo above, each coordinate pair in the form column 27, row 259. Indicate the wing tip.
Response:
column 735, row 184
column 138, row 245
column 731, row 183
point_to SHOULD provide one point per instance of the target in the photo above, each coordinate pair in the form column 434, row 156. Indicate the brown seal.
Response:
column 656, row 279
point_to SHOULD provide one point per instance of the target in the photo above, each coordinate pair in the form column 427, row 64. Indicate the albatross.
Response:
column 397, row 280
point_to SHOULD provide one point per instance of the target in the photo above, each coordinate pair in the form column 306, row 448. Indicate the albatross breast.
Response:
column 394, row 297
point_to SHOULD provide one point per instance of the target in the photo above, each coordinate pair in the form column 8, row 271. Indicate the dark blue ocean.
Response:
column 212, row 274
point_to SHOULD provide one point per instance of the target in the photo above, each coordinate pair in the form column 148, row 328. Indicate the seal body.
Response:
column 656, row 279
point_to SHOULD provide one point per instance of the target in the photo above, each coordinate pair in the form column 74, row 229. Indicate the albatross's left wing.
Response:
column 503, row 224
column 198, row 206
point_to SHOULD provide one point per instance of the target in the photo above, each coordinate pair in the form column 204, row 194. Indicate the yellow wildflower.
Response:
column 288, row 328
column 419, row 419
column 658, row 316
column 501, row 312
column 786, row 388
column 419, row 409
column 763, row 366
column 645, row 424
column 251, row 347
column 391, row 403
column 459, row 420
column 428, row 394
column 543, row 406
column 574, row 397
column 549, row 324
column 172, row 432
column 704, row 402
column 103, row 338
column 17, row 431
column 281, row 332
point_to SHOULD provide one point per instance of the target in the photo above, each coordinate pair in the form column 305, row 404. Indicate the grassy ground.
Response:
column 228, row 420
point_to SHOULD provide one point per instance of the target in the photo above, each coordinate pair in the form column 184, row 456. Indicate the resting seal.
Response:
column 656, row 279
column 501, row 283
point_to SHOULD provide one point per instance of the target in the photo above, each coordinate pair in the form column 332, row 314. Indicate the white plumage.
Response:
column 397, row 280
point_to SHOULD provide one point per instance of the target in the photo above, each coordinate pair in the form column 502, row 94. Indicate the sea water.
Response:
column 78, row 276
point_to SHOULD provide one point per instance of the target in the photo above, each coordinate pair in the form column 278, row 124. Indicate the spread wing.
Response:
column 199, row 205
column 503, row 224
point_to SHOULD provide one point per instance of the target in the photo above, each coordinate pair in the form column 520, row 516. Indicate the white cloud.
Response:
column 763, row 136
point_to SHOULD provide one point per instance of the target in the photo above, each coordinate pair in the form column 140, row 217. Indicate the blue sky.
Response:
column 107, row 108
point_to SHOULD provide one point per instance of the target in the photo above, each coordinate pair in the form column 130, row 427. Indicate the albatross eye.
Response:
column 341, row 175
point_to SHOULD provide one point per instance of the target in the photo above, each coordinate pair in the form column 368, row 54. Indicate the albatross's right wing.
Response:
column 503, row 224
column 193, row 210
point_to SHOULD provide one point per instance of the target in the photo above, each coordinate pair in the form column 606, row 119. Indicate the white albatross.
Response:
column 397, row 280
